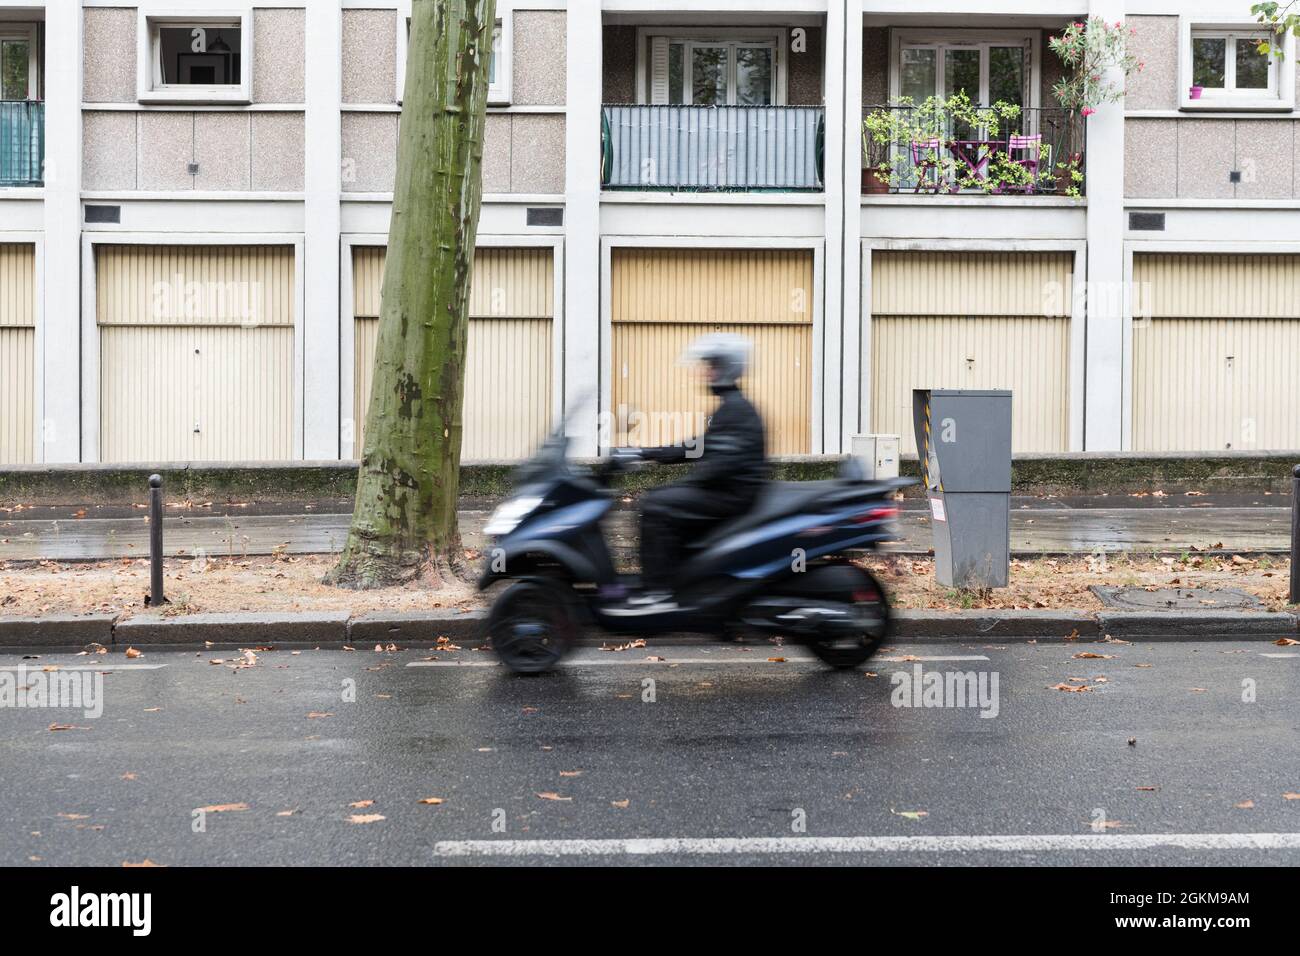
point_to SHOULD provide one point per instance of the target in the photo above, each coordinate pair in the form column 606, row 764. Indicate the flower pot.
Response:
column 1195, row 92
column 875, row 182
column 1064, row 177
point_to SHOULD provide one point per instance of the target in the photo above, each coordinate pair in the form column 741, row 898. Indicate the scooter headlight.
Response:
column 508, row 515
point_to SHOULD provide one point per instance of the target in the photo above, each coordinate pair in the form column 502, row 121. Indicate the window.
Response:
column 1222, row 68
column 18, row 67
column 1227, row 63
column 196, row 60
column 498, row 61
column 698, row 68
column 988, row 67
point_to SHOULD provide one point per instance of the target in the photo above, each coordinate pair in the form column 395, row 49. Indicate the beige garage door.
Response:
column 662, row 299
column 17, row 353
column 973, row 320
column 196, row 352
column 1215, row 344
column 507, row 407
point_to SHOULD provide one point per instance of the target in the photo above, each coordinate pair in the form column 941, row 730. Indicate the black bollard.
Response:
column 1295, row 535
column 156, row 598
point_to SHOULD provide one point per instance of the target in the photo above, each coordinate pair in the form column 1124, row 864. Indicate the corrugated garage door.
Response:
column 1214, row 367
column 17, row 353
column 973, row 320
column 662, row 299
column 196, row 352
column 507, row 410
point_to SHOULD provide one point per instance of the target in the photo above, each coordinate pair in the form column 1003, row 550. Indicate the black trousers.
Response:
column 670, row 517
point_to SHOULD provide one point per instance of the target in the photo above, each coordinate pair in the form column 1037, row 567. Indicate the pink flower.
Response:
column 1087, row 111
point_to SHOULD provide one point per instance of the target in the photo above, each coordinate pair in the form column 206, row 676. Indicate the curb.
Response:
column 1197, row 625
column 337, row 628
column 60, row 630
column 377, row 627
column 248, row 629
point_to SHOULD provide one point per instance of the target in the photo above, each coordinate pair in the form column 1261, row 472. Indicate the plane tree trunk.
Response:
column 404, row 520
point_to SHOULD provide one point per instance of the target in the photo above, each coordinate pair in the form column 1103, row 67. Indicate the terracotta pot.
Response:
column 872, row 184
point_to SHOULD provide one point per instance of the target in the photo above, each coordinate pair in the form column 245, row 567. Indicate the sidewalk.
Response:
column 1252, row 523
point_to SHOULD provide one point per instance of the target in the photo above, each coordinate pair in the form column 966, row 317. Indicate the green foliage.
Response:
column 1091, row 49
column 1281, row 18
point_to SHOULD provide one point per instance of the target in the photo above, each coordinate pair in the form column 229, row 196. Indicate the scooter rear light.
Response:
column 876, row 514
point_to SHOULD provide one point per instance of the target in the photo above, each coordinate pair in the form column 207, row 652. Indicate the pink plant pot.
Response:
column 1194, row 92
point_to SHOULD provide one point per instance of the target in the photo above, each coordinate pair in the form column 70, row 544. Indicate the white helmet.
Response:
column 728, row 354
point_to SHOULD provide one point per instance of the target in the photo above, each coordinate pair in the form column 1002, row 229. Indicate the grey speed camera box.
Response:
column 963, row 440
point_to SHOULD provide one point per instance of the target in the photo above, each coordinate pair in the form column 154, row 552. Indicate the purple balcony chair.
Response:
column 1026, row 150
column 925, row 160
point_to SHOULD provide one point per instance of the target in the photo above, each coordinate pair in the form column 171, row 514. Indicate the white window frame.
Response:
column 30, row 33
column 778, row 37
column 149, row 85
column 499, row 93
column 970, row 39
column 1281, row 92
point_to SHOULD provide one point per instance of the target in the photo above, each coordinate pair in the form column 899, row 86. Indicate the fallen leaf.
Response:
column 1286, row 642
column 1197, row 690
column 128, row 776
column 1291, row 796
column 74, row 816
column 622, row 804
column 224, row 808
column 1090, row 656
column 366, row 818
column 1245, row 805
column 146, row 862
column 318, row 714
column 1072, row 688
column 132, row 653
column 553, row 796
column 286, row 813
column 362, row 804
column 1141, row 665
column 66, row 727
column 430, row 801
column 1149, row 789
column 152, row 710
column 570, row 773
column 910, row 814
column 776, row 660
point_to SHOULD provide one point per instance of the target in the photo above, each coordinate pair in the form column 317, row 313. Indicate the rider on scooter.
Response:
column 727, row 476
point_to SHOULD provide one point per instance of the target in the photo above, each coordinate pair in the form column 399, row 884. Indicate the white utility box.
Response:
column 878, row 454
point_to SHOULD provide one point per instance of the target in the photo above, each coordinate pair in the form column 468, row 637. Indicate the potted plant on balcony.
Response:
column 1095, row 50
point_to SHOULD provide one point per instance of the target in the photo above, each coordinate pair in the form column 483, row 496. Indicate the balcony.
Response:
column 22, row 142
column 712, row 148
column 995, row 151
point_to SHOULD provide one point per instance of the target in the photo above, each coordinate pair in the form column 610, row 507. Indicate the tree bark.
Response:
column 404, row 520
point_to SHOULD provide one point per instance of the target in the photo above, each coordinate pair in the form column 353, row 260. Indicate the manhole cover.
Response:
column 1175, row 599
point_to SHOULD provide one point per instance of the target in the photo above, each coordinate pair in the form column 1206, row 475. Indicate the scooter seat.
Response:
column 776, row 500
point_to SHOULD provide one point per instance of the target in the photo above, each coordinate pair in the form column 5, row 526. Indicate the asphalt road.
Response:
column 737, row 760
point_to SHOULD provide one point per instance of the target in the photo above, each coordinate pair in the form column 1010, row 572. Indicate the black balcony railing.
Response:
column 22, row 142
column 719, row 148
column 1034, row 152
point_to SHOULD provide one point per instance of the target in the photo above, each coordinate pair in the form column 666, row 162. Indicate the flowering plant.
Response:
column 1092, row 48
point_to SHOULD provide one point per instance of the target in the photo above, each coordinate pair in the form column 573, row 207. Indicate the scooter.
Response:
column 782, row 568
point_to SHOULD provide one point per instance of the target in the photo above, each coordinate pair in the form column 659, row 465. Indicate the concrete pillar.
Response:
column 320, row 319
column 60, row 356
column 1106, row 361
column 582, row 267
column 856, row 351
column 836, row 296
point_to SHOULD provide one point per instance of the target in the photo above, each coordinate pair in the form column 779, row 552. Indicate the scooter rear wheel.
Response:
column 852, row 645
column 532, row 626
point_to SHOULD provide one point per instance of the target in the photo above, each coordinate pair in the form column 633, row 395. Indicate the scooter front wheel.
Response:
column 851, row 642
column 532, row 626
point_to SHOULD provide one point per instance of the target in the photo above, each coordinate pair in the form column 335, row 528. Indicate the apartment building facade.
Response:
column 195, row 198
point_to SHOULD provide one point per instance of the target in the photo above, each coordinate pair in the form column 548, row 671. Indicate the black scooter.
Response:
column 782, row 568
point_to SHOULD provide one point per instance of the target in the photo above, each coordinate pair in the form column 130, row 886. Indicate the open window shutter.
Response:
column 659, row 69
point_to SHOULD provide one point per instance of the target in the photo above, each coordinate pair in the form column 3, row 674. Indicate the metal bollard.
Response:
column 156, row 597
column 1295, row 535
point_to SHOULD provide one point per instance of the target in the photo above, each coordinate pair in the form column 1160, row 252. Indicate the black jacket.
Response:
column 732, row 456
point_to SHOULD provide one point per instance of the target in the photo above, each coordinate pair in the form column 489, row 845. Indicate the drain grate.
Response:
column 1175, row 599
